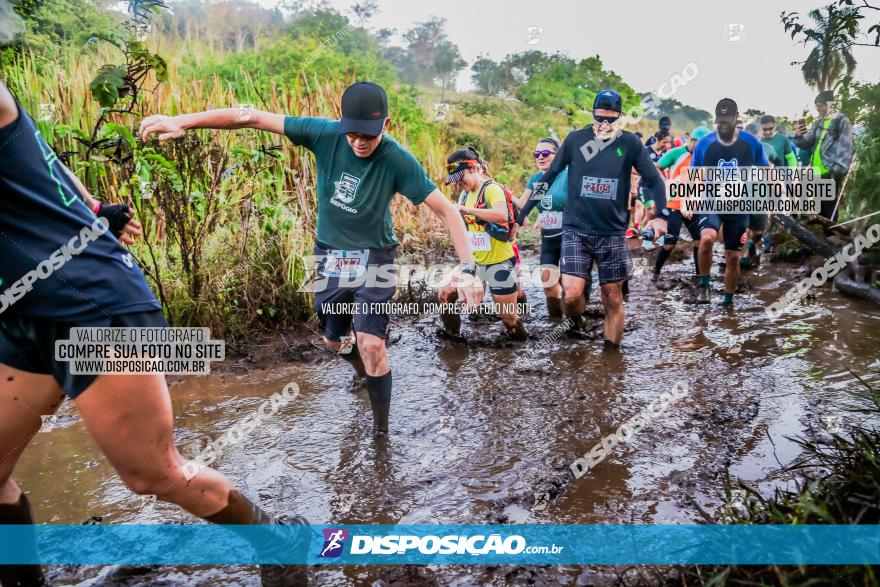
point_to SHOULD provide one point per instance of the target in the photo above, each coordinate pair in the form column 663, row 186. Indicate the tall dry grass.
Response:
column 273, row 211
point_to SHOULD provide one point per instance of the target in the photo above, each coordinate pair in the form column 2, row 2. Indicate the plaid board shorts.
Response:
column 610, row 254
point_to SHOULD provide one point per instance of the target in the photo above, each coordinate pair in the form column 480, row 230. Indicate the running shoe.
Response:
column 768, row 244
column 648, row 245
column 630, row 233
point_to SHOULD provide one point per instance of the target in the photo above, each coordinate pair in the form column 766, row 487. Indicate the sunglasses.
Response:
column 457, row 170
column 461, row 165
column 609, row 119
column 544, row 153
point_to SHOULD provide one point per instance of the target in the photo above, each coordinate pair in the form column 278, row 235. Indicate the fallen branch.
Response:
column 816, row 244
column 857, row 289
column 849, row 280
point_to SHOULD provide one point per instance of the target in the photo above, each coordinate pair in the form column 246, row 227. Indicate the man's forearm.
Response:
column 458, row 235
column 222, row 119
column 657, row 188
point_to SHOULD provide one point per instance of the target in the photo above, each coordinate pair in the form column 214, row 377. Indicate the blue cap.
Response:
column 608, row 100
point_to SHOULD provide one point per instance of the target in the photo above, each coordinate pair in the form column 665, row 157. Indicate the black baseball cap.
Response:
column 665, row 123
column 364, row 109
column 726, row 111
column 608, row 100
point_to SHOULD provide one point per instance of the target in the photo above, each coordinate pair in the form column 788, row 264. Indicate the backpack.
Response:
column 500, row 232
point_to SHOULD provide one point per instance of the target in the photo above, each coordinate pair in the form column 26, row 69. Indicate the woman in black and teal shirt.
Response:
column 551, row 206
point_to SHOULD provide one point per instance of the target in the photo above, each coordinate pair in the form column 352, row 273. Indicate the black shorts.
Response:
column 758, row 222
column 28, row 344
column 551, row 249
column 735, row 226
column 674, row 220
column 610, row 254
column 365, row 298
column 501, row 277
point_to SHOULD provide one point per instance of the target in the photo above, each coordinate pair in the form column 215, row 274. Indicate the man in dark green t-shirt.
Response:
column 784, row 154
column 780, row 153
column 360, row 169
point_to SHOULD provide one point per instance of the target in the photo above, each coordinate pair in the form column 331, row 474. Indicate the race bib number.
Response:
column 342, row 263
column 479, row 241
column 602, row 188
column 550, row 220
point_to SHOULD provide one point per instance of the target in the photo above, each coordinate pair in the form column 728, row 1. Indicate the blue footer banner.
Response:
column 481, row 544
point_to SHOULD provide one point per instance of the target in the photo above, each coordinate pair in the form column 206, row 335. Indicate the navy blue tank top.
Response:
column 48, row 267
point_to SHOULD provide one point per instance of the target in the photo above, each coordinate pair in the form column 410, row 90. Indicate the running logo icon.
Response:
column 346, row 188
column 334, row 542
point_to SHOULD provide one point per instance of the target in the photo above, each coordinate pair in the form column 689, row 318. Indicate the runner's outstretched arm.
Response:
column 446, row 212
column 525, row 206
column 450, row 217
column 172, row 127
column 524, row 198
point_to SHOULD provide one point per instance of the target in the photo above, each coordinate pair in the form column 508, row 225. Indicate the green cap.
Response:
column 699, row 132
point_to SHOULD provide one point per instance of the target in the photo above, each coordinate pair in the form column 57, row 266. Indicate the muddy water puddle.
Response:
column 485, row 431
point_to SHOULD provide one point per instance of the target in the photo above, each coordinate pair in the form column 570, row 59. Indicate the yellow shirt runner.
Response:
column 486, row 250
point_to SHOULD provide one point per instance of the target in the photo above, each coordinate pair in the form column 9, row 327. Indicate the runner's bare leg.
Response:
column 130, row 418
column 573, row 300
column 707, row 242
column 612, row 300
column 24, row 397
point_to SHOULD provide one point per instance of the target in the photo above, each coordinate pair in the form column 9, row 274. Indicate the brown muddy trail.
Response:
column 479, row 428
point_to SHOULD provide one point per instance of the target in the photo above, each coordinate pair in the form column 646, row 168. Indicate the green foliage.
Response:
column 107, row 85
column 833, row 35
column 543, row 81
column 429, row 55
column 114, row 82
column 572, row 87
column 315, row 44
column 55, row 23
column 862, row 103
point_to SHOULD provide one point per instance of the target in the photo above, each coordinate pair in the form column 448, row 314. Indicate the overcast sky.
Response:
column 645, row 42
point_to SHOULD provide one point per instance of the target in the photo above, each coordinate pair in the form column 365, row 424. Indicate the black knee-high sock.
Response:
column 662, row 256
column 20, row 575
column 353, row 357
column 379, row 390
column 696, row 261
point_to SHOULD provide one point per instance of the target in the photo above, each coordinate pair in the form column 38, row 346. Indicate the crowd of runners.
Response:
column 589, row 201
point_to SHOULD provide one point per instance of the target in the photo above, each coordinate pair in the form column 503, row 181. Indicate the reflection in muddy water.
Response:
column 480, row 428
